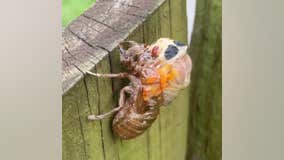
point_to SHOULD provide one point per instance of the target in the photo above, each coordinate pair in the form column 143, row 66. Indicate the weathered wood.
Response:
column 100, row 29
column 205, row 136
column 89, row 44
column 73, row 129
column 103, row 102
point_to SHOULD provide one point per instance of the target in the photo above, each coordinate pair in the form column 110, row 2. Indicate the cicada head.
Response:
column 174, row 54
column 129, row 53
column 167, row 50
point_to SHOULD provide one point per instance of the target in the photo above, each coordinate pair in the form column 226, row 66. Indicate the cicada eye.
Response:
column 171, row 52
column 154, row 51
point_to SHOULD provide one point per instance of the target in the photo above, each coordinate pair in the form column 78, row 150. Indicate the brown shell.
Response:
column 129, row 124
column 157, row 85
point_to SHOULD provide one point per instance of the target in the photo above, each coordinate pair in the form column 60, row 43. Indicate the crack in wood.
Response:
column 99, row 112
column 111, row 71
column 82, row 62
column 81, row 70
column 134, row 15
column 80, row 38
column 103, row 48
column 87, row 92
column 81, row 130
column 108, row 26
column 88, row 51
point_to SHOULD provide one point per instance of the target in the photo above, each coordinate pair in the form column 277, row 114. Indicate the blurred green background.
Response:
column 71, row 9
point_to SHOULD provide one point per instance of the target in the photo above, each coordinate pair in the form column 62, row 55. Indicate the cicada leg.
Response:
column 121, row 105
column 110, row 75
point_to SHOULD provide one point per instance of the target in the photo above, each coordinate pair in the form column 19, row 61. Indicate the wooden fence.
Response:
column 89, row 43
column 205, row 123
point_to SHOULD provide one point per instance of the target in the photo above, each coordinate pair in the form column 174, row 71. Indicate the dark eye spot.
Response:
column 171, row 52
column 179, row 43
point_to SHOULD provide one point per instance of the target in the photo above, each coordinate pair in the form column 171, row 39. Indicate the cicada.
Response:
column 157, row 73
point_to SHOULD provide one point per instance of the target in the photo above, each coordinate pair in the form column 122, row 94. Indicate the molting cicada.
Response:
column 157, row 73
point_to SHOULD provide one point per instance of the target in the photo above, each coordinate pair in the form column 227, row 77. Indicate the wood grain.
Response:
column 205, row 136
column 89, row 43
column 97, row 32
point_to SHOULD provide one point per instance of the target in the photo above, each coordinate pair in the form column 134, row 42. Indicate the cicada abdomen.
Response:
column 129, row 124
column 135, row 117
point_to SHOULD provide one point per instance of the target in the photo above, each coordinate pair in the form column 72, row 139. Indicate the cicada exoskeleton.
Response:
column 157, row 73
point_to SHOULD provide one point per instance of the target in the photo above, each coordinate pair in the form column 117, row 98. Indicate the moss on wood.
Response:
column 205, row 124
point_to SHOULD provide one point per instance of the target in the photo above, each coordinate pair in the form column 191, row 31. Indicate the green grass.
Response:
column 71, row 9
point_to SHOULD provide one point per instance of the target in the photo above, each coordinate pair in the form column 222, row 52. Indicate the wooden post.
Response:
column 89, row 43
column 205, row 124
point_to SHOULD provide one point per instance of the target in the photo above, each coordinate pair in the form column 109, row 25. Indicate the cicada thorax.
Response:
column 182, row 69
column 130, row 53
column 163, row 81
